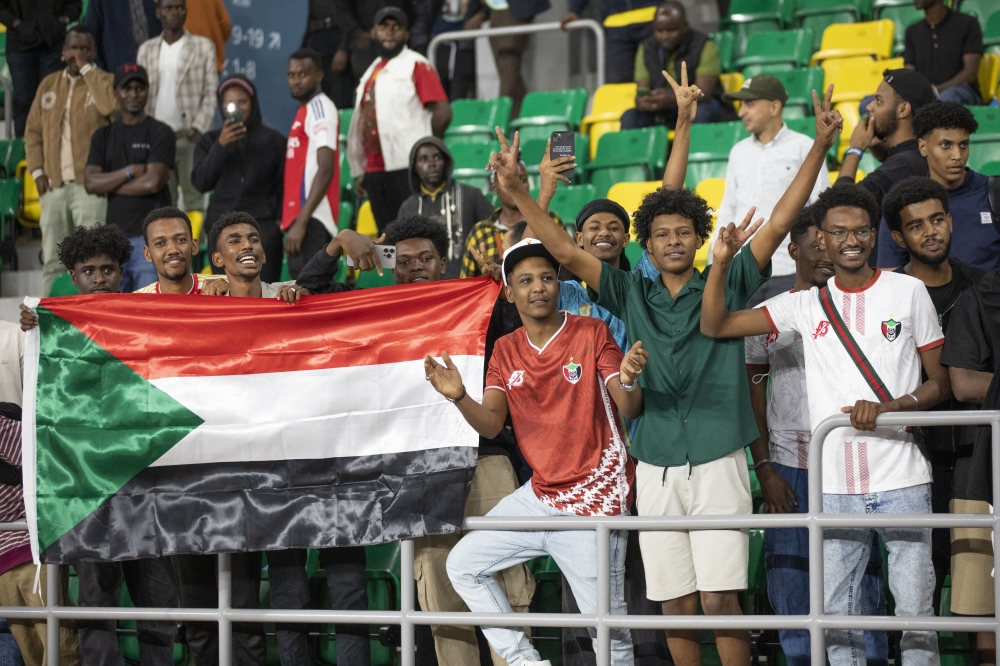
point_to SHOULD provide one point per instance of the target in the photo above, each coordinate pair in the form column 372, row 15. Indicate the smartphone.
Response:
column 642, row 92
column 232, row 112
column 386, row 256
column 563, row 144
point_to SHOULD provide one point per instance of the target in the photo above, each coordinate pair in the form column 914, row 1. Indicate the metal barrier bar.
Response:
column 531, row 28
column 817, row 622
column 8, row 109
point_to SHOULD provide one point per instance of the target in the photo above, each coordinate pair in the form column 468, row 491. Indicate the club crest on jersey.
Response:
column 572, row 371
column 516, row 379
column 891, row 329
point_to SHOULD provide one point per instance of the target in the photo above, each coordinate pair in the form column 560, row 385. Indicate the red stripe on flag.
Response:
column 190, row 336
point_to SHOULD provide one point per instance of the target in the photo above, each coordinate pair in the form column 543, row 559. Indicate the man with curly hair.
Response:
column 943, row 130
column 697, row 416
column 867, row 335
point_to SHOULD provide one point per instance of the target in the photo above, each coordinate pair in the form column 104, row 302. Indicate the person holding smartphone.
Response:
column 222, row 166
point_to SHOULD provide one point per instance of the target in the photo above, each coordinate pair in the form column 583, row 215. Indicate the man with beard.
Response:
column 943, row 130
column 312, row 174
column 400, row 100
column 170, row 248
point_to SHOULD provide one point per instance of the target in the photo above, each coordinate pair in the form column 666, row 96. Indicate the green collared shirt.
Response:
column 695, row 392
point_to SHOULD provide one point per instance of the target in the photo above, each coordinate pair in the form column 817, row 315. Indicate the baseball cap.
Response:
column 911, row 85
column 762, row 86
column 130, row 72
column 392, row 12
column 527, row 248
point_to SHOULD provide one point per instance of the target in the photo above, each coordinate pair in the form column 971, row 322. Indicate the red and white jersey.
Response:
column 565, row 421
column 781, row 356
column 198, row 281
column 316, row 125
column 892, row 319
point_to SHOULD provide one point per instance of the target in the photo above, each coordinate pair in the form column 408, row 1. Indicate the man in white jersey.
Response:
column 312, row 164
column 866, row 335
column 781, row 459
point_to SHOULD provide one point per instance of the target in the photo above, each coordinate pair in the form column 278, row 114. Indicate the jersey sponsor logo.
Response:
column 585, row 310
column 516, row 379
column 821, row 330
column 572, row 371
column 891, row 329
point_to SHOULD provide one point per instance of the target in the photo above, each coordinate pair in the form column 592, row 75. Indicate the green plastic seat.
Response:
column 699, row 171
column 713, row 141
column 817, row 15
column 991, row 32
column 345, row 124
column 371, row 279
column 569, row 200
column 902, row 17
column 345, row 215
column 470, row 163
column 63, row 286
column 800, row 84
column 789, row 49
column 724, row 42
column 475, row 119
column 748, row 17
column 480, row 181
column 988, row 118
column 346, row 181
column 807, row 126
column 981, row 9
column 981, row 154
column 11, row 152
column 990, row 169
column 563, row 108
column 628, row 156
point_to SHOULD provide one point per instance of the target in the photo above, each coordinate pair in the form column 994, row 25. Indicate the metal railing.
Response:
column 603, row 621
column 8, row 106
column 530, row 29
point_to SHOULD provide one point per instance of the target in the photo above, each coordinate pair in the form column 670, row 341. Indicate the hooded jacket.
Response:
column 247, row 174
column 458, row 206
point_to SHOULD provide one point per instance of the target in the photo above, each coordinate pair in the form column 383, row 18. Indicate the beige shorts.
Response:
column 679, row 563
column 971, row 564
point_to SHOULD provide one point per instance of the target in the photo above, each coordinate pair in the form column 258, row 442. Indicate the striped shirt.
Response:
column 15, row 547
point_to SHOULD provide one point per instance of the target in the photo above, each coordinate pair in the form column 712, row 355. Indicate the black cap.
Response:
column 392, row 12
column 762, row 86
column 529, row 247
column 130, row 72
column 911, row 85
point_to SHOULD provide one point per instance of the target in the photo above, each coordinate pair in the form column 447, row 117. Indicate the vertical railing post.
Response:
column 225, row 576
column 52, row 585
column 603, row 606
column 995, row 455
column 817, row 639
column 406, row 605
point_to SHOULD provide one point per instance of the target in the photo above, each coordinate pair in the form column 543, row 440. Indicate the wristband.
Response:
column 854, row 151
column 128, row 172
column 916, row 405
column 455, row 401
column 628, row 388
column 761, row 462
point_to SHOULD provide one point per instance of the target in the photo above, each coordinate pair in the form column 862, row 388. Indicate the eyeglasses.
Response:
column 861, row 235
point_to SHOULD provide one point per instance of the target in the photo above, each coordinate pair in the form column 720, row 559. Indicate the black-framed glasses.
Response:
column 861, row 235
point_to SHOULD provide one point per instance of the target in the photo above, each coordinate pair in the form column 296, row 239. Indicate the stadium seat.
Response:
column 849, row 112
column 63, row 286
column 630, row 195
column 807, row 126
column 988, row 118
column 30, row 211
column 11, row 154
column 724, row 43
column 981, row 9
column 799, row 83
column 902, row 16
column 545, row 112
column 856, row 78
column 983, row 154
column 989, row 169
column 569, row 200
column 788, row 49
column 747, row 17
column 991, row 33
column 366, row 221
column 872, row 38
column 346, row 181
column 710, row 146
column 470, row 163
column 818, row 15
column 989, row 76
column 731, row 82
column 344, row 215
column 344, row 120
column 610, row 101
column 711, row 190
column 475, row 120
column 630, row 155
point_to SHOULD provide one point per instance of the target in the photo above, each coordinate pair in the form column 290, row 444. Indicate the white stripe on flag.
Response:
column 315, row 414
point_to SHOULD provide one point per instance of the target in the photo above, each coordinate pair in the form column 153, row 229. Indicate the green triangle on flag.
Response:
column 98, row 424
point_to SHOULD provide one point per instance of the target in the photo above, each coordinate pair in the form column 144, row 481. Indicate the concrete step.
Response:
column 28, row 254
column 9, row 310
column 18, row 284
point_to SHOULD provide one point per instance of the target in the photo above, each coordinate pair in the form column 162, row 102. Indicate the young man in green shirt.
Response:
column 697, row 416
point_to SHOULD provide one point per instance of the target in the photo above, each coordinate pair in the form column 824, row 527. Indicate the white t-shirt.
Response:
column 892, row 319
column 166, row 95
column 787, row 401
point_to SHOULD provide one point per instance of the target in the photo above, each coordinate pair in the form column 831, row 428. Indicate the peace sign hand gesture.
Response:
column 828, row 121
column 732, row 237
column 687, row 96
column 504, row 163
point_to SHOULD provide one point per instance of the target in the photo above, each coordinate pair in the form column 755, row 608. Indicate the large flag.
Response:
column 157, row 424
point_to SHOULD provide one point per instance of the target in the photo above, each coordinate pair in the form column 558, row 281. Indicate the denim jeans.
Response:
column 786, row 558
column 27, row 69
column 963, row 94
column 911, row 573
column 481, row 554
column 137, row 272
column 621, row 45
column 10, row 653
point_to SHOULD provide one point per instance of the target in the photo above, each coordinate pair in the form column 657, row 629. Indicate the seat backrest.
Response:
column 902, row 17
column 646, row 147
column 604, row 179
column 630, row 195
column 988, row 118
column 699, row 171
column 742, row 32
column 741, row 11
column 989, row 75
column 345, row 116
column 788, row 46
column 570, row 199
column 990, row 168
column 991, row 28
column 799, row 84
column 477, row 113
column 983, row 154
column 473, row 155
column 713, row 141
column 831, row 66
column 568, row 104
column 818, row 23
column 981, row 9
column 724, row 42
column 855, row 80
column 613, row 98
column 875, row 36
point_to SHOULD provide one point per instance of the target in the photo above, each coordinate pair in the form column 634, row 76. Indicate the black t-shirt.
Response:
column 117, row 145
column 937, row 52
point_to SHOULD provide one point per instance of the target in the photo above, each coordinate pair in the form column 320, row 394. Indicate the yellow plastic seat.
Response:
column 197, row 222
column 846, row 40
column 610, row 101
column 858, row 177
column 366, row 221
column 731, row 82
column 860, row 77
column 30, row 211
column 630, row 195
column 849, row 111
column 989, row 76
column 711, row 190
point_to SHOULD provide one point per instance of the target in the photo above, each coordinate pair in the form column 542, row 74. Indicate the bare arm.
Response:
column 629, row 402
column 440, row 116
column 969, row 73
column 767, row 240
column 487, row 418
column 779, row 496
column 97, row 181
column 936, row 389
column 969, row 385
column 146, row 179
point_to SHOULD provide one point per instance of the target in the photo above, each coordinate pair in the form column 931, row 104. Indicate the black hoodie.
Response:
column 458, row 206
column 248, row 174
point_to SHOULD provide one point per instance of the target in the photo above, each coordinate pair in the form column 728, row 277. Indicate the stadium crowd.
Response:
column 661, row 395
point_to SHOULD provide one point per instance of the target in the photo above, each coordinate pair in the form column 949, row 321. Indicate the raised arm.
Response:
column 585, row 266
column 687, row 106
column 767, row 240
column 716, row 319
column 487, row 418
